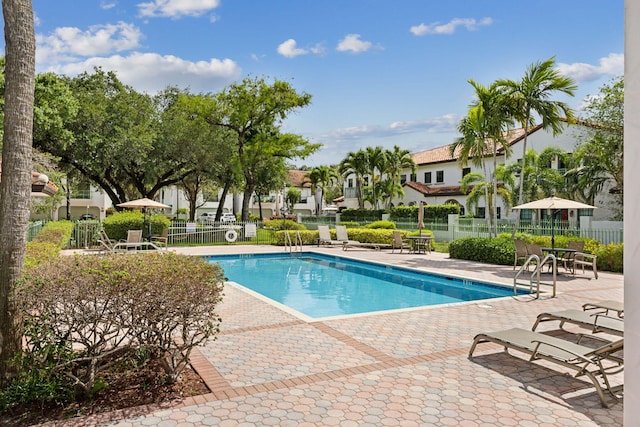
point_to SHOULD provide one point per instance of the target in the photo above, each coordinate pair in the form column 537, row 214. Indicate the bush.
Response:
column 493, row 251
column 117, row 225
column 388, row 225
column 117, row 305
column 431, row 212
column 610, row 257
column 283, row 224
column 47, row 244
column 350, row 224
column 361, row 214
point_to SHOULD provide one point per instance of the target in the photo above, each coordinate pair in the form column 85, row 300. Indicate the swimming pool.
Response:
column 318, row 285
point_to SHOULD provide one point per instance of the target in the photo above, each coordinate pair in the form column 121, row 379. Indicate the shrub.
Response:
column 46, row 245
column 610, row 257
column 361, row 214
column 116, row 305
column 117, row 225
column 283, row 224
column 431, row 212
column 494, row 251
column 350, row 224
column 388, row 225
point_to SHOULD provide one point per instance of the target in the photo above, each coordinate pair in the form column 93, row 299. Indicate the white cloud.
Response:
column 69, row 42
column 289, row 49
column 445, row 123
column 449, row 28
column 176, row 8
column 352, row 43
column 612, row 65
column 151, row 72
column 106, row 5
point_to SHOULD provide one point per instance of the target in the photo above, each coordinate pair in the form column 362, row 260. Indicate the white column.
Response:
column 632, row 213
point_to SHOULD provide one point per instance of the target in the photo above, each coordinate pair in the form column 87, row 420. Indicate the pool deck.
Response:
column 405, row 368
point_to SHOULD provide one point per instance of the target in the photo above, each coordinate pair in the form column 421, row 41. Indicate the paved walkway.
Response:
column 405, row 368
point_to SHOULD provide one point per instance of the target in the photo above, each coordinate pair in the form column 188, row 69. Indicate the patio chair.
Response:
column 520, row 251
column 134, row 236
column 597, row 364
column 343, row 236
column 106, row 244
column 606, row 305
column 162, row 240
column 399, row 242
column 585, row 260
column 568, row 257
column 324, row 236
column 597, row 322
column 533, row 249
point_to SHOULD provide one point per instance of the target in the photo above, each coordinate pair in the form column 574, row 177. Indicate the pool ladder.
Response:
column 288, row 244
column 535, row 275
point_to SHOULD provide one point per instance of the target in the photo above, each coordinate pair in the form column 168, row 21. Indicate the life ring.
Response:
column 231, row 236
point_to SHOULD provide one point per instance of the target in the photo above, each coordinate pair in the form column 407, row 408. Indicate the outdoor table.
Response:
column 420, row 244
column 566, row 253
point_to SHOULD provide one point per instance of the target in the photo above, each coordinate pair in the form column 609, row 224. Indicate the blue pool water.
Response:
column 322, row 286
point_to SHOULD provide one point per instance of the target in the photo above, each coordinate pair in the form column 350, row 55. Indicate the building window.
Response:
column 403, row 179
column 350, row 183
column 427, row 177
column 465, row 171
column 414, row 177
column 498, row 214
column 440, row 176
column 480, row 212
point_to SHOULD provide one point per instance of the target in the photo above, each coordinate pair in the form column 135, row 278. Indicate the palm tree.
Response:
column 356, row 163
column 388, row 189
column 15, row 187
column 397, row 160
column 320, row 178
column 483, row 131
column 476, row 187
column 531, row 94
column 376, row 160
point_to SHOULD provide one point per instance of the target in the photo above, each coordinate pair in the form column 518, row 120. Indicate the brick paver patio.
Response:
column 405, row 368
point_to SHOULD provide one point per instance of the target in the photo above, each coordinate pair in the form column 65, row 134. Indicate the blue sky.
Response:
column 380, row 72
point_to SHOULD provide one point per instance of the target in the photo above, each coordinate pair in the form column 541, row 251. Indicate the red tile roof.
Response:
column 296, row 178
column 442, row 154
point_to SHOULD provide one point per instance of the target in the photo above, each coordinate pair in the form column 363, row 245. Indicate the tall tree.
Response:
column 397, row 160
column 356, row 163
column 532, row 95
column 320, row 178
column 600, row 157
column 483, row 132
column 15, row 185
column 376, row 160
column 254, row 111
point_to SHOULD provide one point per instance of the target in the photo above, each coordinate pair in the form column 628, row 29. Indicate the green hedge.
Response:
column 431, row 212
column 117, row 225
column 47, row 244
column 363, row 235
column 501, row 250
column 361, row 214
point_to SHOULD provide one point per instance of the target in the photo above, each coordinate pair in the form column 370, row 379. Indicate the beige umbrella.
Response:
column 144, row 204
column 553, row 204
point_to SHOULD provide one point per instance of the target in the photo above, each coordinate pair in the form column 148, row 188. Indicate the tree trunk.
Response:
column 223, row 197
column 15, row 186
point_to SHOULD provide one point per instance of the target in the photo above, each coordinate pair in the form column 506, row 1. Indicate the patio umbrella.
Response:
column 421, row 217
column 553, row 204
column 145, row 204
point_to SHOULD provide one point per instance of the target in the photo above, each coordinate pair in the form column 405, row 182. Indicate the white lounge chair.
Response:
column 324, row 236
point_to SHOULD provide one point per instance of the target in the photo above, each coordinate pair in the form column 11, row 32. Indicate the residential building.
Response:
column 439, row 173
